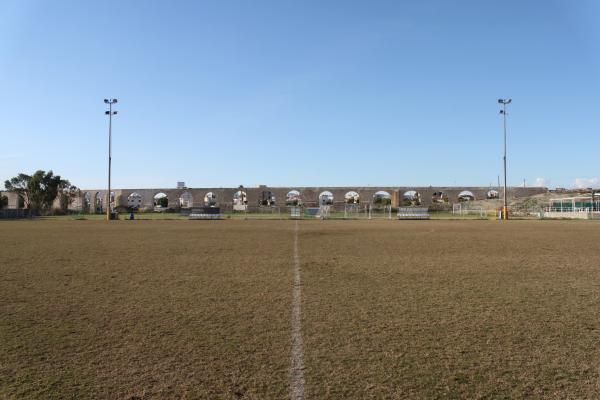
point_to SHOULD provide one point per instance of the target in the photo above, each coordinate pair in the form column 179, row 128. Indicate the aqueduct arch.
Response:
column 352, row 197
column 492, row 194
column 292, row 198
column 411, row 198
column 382, row 197
column 210, row 199
column 240, row 198
column 466, row 195
column 161, row 201
column 99, row 202
column 439, row 197
column 186, row 200
column 326, row 198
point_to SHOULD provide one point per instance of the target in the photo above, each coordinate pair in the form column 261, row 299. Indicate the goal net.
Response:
column 464, row 209
column 381, row 212
column 324, row 211
column 353, row 211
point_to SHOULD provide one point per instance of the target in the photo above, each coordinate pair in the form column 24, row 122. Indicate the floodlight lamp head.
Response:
column 115, row 100
column 106, row 101
column 499, row 101
column 115, row 112
column 507, row 102
column 106, row 112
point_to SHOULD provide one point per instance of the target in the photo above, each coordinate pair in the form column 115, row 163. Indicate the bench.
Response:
column 413, row 213
column 206, row 213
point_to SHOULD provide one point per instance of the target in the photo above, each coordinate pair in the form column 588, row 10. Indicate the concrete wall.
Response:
column 13, row 199
column 567, row 214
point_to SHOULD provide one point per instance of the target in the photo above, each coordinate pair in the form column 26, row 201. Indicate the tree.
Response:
column 162, row 202
column 38, row 190
column 68, row 193
column 3, row 201
column 19, row 185
column 382, row 200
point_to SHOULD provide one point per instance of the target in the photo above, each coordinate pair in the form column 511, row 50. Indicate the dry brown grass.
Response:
column 153, row 309
column 391, row 309
column 450, row 309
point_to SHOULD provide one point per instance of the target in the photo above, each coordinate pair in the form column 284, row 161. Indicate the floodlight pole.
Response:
column 110, row 113
column 504, row 102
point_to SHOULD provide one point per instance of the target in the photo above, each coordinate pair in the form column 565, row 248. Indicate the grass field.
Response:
column 390, row 309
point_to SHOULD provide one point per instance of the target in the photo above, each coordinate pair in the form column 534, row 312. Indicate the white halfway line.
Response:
column 297, row 364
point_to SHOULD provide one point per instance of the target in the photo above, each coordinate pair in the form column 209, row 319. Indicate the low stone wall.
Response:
column 15, row 213
column 568, row 215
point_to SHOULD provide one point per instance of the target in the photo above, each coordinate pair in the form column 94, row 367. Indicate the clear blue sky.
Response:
column 326, row 93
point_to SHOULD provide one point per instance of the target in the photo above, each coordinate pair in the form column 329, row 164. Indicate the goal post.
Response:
column 384, row 212
column 463, row 209
column 324, row 212
column 352, row 211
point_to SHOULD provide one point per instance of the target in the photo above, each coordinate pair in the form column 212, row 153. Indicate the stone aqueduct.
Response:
column 255, row 196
